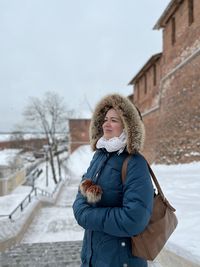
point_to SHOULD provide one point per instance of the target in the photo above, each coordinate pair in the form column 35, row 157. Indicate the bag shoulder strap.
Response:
column 124, row 170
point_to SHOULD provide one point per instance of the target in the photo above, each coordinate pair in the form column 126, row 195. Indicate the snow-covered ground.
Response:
column 6, row 155
column 45, row 181
column 180, row 183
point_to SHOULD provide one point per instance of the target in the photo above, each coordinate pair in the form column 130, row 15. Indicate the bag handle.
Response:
column 124, row 170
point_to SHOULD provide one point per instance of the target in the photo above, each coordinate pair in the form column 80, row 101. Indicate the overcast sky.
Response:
column 81, row 49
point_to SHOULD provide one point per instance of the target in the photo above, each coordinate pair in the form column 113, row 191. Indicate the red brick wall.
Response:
column 79, row 133
column 148, row 100
column 187, row 37
column 173, row 129
column 148, row 105
column 179, row 116
column 151, row 125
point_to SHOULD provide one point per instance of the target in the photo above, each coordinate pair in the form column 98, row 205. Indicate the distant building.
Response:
column 167, row 88
column 25, row 144
column 79, row 133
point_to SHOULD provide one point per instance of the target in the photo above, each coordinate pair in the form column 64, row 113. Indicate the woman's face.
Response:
column 112, row 126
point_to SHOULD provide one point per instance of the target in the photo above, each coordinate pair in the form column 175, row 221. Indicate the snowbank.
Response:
column 7, row 155
column 79, row 160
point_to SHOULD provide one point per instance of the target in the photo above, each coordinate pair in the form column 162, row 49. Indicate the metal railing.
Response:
column 27, row 200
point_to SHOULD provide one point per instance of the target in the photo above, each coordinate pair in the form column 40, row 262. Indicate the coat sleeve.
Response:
column 133, row 216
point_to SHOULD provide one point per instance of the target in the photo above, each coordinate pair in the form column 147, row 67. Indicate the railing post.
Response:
column 43, row 193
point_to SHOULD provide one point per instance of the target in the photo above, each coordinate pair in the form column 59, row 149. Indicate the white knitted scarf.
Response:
column 113, row 144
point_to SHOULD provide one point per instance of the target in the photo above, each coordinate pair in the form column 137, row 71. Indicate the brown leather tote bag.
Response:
column 162, row 224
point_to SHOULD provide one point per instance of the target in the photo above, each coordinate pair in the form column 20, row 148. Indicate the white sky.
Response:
column 77, row 48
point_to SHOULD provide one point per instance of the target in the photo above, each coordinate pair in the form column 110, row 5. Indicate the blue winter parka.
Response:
column 123, row 211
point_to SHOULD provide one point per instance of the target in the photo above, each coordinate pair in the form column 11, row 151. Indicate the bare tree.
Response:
column 50, row 116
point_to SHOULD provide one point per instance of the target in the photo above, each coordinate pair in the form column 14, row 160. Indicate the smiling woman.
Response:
column 114, row 136
column 109, row 211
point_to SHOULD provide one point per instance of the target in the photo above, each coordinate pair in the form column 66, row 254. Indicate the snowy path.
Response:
column 56, row 223
column 68, row 193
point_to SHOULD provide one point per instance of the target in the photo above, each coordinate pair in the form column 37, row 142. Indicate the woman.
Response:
column 109, row 211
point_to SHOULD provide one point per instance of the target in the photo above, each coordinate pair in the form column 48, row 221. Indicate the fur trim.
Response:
column 84, row 185
column 91, row 191
column 129, row 114
column 93, row 194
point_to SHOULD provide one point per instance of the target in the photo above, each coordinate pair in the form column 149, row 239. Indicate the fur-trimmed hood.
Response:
column 129, row 114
